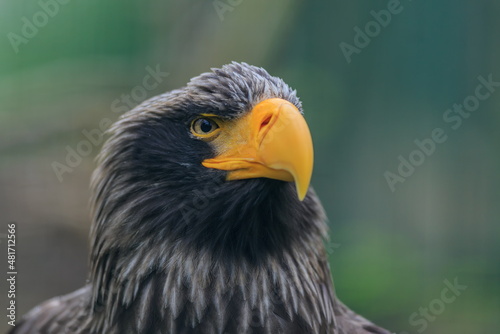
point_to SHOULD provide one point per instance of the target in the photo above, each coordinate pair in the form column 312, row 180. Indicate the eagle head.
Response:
column 223, row 164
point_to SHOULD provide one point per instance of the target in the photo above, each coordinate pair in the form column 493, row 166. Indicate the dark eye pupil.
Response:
column 205, row 125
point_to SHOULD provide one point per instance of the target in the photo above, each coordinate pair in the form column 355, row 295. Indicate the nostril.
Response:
column 266, row 121
column 266, row 124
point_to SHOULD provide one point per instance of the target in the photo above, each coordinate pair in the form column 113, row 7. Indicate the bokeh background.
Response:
column 391, row 251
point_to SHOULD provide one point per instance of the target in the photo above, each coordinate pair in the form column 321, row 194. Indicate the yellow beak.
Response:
column 272, row 141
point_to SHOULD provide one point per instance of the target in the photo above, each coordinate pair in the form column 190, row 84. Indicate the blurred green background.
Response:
column 391, row 251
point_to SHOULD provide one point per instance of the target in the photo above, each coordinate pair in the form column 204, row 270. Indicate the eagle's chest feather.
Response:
column 292, row 293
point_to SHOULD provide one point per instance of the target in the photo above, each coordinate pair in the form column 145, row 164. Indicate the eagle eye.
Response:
column 204, row 127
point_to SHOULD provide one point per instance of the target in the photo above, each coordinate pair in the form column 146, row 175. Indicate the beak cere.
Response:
column 271, row 141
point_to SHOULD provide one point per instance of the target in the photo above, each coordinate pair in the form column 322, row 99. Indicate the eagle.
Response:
column 203, row 220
